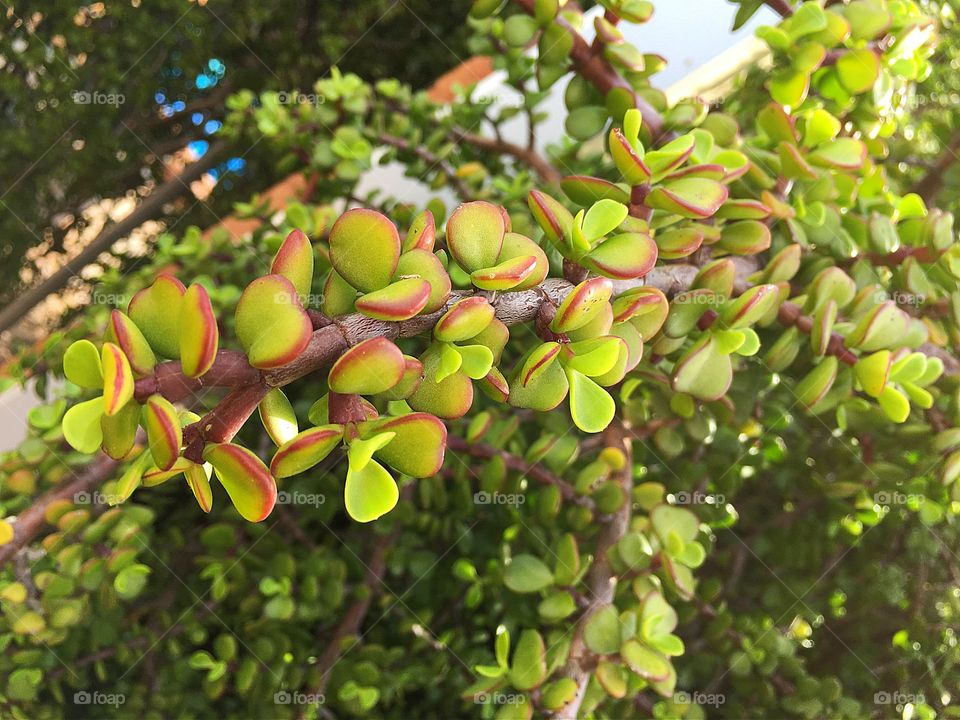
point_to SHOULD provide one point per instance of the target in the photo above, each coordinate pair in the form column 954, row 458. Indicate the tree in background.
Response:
column 98, row 96
column 660, row 425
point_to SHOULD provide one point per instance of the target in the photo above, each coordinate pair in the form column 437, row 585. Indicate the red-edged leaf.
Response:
column 198, row 480
column 164, row 435
column 516, row 245
column 156, row 311
column 422, row 233
column 294, row 260
column 505, row 276
column 199, row 335
column 125, row 333
column 630, row 165
column 538, row 361
column 690, row 197
column 622, row 257
column 582, row 304
column 419, row 445
column 424, row 265
column 475, row 234
column 370, row 367
column 118, row 379
column 271, row 324
column 246, row 479
column 585, row 190
column 305, row 450
column 552, row 217
column 464, row 319
column 398, row 301
column 364, row 248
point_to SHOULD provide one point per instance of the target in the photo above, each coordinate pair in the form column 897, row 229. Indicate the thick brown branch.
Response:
column 534, row 471
column 221, row 424
column 230, row 369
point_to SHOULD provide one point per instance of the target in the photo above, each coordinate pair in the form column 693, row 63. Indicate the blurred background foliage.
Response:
column 94, row 95
column 810, row 552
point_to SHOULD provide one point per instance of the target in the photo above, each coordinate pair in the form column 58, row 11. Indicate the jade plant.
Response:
column 661, row 423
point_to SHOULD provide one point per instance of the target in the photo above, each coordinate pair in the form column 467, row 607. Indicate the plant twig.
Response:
column 527, row 155
column 463, row 191
column 28, row 523
column 534, row 471
column 782, row 7
column 601, row 579
column 930, row 185
column 375, row 564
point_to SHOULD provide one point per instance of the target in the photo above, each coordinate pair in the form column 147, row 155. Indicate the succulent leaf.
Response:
column 364, row 249
column 248, row 482
column 294, row 260
column 398, row 301
column 81, row 426
column 271, row 324
column 277, row 416
column 306, row 449
column 465, row 319
column 156, row 311
column 369, row 367
column 82, row 365
column 118, row 381
column 122, row 331
column 369, row 492
column 164, row 435
column 199, row 334
column 475, row 235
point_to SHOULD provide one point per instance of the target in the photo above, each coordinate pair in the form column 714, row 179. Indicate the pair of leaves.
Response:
column 176, row 321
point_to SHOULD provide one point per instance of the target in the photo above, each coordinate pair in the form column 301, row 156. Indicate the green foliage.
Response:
column 711, row 469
